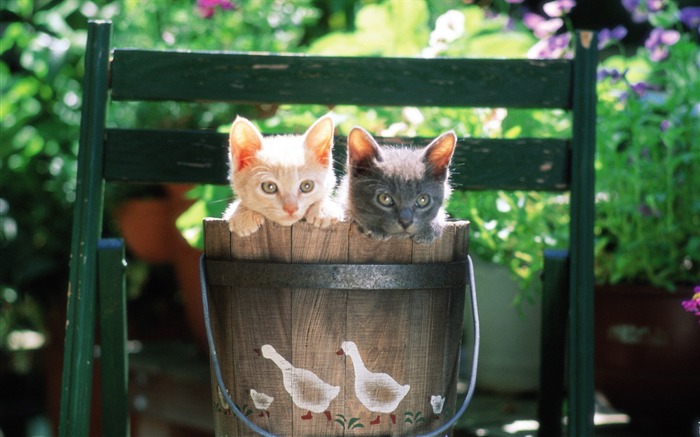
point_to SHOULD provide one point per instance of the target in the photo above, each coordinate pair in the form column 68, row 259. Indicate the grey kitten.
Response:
column 397, row 191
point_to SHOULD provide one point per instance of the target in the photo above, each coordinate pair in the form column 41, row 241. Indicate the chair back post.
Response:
column 87, row 224
column 581, row 316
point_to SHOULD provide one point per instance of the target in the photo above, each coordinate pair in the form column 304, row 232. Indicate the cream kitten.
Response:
column 281, row 178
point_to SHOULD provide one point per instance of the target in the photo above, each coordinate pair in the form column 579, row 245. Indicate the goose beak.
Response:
column 340, row 352
column 258, row 351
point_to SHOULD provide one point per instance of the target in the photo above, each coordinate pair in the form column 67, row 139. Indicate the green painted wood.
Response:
column 274, row 78
column 201, row 157
column 112, row 306
column 160, row 156
column 87, row 225
column 555, row 299
column 581, row 313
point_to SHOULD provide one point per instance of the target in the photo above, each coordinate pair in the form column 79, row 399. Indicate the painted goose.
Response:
column 308, row 391
column 378, row 392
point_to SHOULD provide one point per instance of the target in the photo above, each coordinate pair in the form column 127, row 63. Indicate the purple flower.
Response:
column 659, row 41
column 541, row 27
column 635, row 7
column 665, row 124
column 607, row 37
column 640, row 88
column 690, row 16
column 207, row 8
column 630, row 5
column 558, row 8
column 514, row 1
column 693, row 305
column 655, row 5
column 614, row 74
column 550, row 48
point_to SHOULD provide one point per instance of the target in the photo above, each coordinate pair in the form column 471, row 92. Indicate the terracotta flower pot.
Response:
column 648, row 355
column 149, row 230
column 146, row 225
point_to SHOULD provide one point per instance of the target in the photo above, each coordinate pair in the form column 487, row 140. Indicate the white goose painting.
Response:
column 308, row 391
column 378, row 392
column 261, row 401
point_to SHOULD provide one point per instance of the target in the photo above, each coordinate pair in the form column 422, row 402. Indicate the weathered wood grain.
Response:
column 412, row 335
column 217, row 240
column 319, row 319
column 245, row 78
column 202, row 157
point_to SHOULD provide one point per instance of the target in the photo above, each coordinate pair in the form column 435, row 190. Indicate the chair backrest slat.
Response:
column 296, row 79
column 201, row 157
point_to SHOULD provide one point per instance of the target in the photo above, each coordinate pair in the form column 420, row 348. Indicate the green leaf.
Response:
column 190, row 224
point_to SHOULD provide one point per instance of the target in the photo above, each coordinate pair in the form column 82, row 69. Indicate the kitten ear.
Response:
column 439, row 152
column 319, row 139
column 244, row 141
column 361, row 146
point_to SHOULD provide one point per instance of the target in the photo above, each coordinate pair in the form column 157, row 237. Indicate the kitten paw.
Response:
column 322, row 216
column 378, row 236
column 245, row 223
column 426, row 237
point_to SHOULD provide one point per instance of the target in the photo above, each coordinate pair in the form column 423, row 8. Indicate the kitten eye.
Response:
column 306, row 186
column 269, row 187
column 385, row 199
column 422, row 201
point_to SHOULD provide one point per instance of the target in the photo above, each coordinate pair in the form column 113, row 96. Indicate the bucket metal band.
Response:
column 251, row 274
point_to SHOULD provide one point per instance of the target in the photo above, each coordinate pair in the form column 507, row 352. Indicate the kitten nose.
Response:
column 290, row 208
column 406, row 218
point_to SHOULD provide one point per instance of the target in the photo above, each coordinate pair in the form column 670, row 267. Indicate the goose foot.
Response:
column 375, row 421
column 393, row 418
column 264, row 413
column 328, row 415
column 307, row 416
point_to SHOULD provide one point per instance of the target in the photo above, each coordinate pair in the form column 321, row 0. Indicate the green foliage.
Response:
column 648, row 206
column 516, row 237
column 42, row 45
column 41, row 69
column 392, row 28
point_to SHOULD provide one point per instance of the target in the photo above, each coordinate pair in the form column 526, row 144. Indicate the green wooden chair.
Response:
column 109, row 155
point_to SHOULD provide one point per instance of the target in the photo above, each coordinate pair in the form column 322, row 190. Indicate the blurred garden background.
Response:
column 648, row 183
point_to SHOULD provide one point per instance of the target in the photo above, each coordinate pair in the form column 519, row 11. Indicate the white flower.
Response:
column 448, row 27
column 412, row 115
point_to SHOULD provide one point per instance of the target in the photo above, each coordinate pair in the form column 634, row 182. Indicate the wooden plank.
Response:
column 201, row 157
column 274, row 78
column 184, row 156
column 382, row 337
column 445, row 321
column 319, row 323
column 443, row 318
column 555, row 300
column 217, row 241
column 581, row 349
column 112, row 305
column 78, row 355
column 262, row 317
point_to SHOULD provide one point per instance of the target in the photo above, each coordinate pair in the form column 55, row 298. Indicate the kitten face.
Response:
column 398, row 191
column 278, row 177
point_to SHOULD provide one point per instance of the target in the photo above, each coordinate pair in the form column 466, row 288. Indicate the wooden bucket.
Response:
column 324, row 332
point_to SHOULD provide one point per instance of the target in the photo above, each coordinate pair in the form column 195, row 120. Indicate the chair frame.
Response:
column 117, row 155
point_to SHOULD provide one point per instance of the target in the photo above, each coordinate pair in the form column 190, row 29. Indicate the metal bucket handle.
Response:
column 222, row 386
